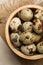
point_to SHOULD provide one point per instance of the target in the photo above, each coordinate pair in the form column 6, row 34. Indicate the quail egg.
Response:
column 26, row 38
column 29, row 49
column 15, row 39
column 15, row 24
column 27, row 26
column 40, row 47
column 26, row 14
column 37, row 27
column 39, row 14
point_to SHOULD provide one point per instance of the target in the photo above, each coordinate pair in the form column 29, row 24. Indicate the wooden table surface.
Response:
column 21, row 61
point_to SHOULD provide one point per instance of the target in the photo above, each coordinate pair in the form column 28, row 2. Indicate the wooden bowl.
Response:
column 34, row 57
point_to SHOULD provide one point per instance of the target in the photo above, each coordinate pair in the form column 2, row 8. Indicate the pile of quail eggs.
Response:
column 26, row 31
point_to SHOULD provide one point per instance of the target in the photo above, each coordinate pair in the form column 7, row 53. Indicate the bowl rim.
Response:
column 17, row 52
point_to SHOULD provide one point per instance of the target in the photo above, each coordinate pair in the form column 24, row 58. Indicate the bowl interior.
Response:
column 34, row 57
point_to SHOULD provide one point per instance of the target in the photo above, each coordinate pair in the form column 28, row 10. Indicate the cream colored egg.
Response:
column 15, row 23
column 39, row 14
column 26, row 14
column 40, row 47
column 37, row 27
column 27, row 26
column 15, row 39
column 29, row 49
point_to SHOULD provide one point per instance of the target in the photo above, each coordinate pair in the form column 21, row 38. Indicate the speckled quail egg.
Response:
column 15, row 23
column 29, row 38
column 27, row 26
column 15, row 39
column 28, row 50
column 39, row 14
column 40, row 47
column 37, row 27
column 26, row 14
column 26, row 37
